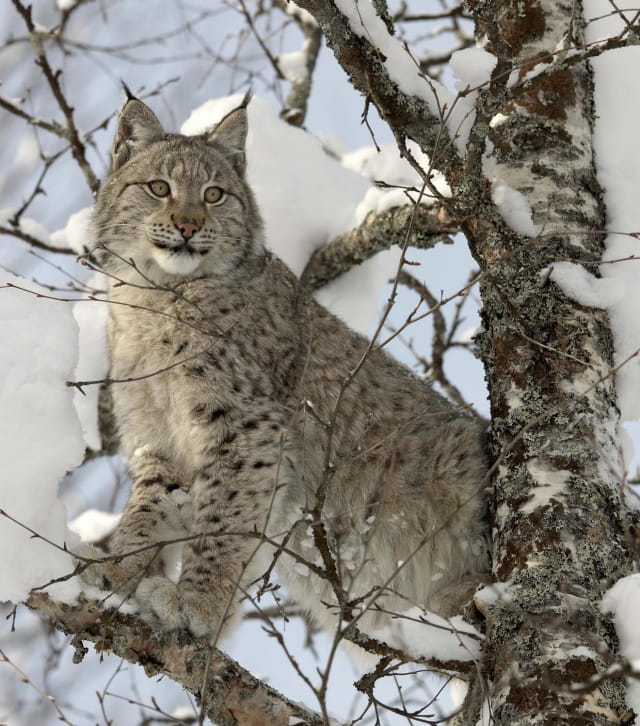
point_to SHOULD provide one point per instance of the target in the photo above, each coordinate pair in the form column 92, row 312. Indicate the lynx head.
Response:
column 176, row 206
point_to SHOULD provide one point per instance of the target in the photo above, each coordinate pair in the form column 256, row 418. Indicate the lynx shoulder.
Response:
column 255, row 423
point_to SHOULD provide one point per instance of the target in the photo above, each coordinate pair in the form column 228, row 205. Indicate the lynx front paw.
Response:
column 103, row 575
column 167, row 605
column 159, row 600
column 117, row 574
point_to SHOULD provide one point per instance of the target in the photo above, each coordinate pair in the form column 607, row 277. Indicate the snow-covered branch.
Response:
column 298, row 66
column 383, row 70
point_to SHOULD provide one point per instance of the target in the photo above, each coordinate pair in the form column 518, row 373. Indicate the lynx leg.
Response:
column 211, row 567
column 151, row 516
column 231, row 501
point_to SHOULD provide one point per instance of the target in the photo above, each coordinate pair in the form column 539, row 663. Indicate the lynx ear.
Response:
column 231, row 134
column 137, row 127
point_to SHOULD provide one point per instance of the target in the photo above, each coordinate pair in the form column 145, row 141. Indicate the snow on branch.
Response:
column 298, row 66
column 378, row 65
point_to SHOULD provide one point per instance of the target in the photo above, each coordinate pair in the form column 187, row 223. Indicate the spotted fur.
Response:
column 244, row 410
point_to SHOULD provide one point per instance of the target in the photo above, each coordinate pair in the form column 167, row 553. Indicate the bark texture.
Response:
column 560, row 533
column 232, row 696
column 559, row 529
column 418, row 226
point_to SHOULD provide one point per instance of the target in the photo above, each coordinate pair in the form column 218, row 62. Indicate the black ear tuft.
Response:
column 231, row 134
column 137, row 127
column 128, row 92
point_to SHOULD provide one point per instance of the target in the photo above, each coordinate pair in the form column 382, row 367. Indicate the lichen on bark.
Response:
column 560, row 537
column 559, row 532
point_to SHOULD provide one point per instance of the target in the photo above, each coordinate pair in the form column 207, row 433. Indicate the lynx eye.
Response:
column 213, row 195
column 159, row 188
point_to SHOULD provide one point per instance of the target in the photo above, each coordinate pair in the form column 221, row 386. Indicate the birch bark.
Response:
column 560, row 538
column 559, row 532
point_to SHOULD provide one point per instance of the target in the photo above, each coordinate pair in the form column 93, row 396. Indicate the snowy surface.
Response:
column 579, row 284
column 293, row 65
column 94, row 525
column 40, row 436
column 75, row 235
column 306, row 198
column 426, row 634
column 623, row 602
column 472, row 67
column 93, row 365
column 386, row 165
column 617, row 152
column 617, row 143
column 292, row 8
column 514, row 208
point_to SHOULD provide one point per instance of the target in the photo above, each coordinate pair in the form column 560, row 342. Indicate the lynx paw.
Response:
column 159, row 600
column 107, row 575
column 166, row 604
column 102, row 575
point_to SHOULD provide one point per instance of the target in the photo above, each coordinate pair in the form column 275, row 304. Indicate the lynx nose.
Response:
column 187, row 229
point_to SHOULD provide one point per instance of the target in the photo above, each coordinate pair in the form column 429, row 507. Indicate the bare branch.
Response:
column 441, row 341
column 53, row 79
column 4, row 658
column 403, row 15
column 34, row 241
column 50, row 126
column 265, row 49
column 239, row 699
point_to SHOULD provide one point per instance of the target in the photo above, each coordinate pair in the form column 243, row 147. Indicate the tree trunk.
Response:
column 559, row 534
column 559, row 529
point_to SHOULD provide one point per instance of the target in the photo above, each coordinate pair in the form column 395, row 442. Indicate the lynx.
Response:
column 256, row 424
